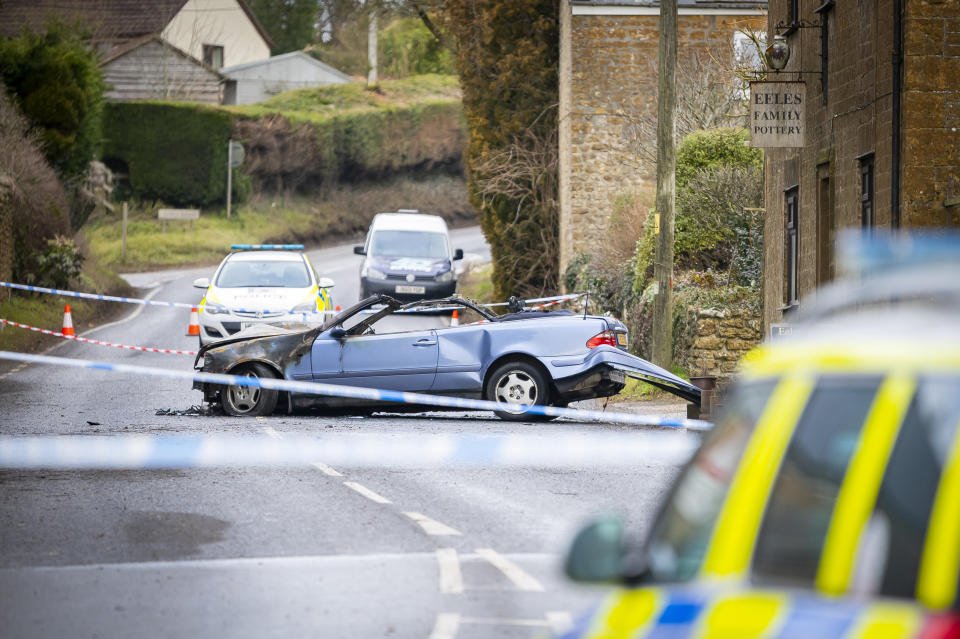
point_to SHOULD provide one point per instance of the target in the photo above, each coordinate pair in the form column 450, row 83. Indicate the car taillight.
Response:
column 946, row 626
column 606, row 337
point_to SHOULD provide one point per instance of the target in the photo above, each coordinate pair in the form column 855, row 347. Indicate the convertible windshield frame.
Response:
column 452, row 302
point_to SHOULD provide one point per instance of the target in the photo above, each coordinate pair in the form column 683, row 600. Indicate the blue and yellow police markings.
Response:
column 940, row 564
column 690, row 613
column 861, row 484
column 731, row 546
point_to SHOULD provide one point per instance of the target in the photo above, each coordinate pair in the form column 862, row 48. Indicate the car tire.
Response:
column 249, row 401
column 518, row 383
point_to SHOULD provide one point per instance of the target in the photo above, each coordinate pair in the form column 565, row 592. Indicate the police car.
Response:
column 261, row 283
column 826, row 500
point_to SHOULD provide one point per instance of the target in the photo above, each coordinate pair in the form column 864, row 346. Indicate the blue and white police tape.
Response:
column 146, row 302
column 345, row 450
column 94, row 296
column 355, row 392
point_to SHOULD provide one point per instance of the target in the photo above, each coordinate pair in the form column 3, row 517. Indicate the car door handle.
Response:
column 425, row 342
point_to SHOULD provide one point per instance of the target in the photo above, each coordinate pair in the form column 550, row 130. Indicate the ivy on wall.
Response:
column 508, row 62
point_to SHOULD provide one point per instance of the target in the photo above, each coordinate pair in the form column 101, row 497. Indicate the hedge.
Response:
column 176, row 153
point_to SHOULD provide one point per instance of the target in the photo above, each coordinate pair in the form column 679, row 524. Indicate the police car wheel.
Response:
column 249, row 401
column 518, row 383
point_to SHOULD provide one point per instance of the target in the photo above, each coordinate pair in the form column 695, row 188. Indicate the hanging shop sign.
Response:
column 777, row 114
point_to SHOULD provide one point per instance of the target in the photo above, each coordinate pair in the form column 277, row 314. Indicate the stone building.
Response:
column 882, row 146
column 608, row 89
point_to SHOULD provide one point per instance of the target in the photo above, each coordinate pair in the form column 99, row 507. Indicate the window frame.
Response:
column 868, row 205
column 209, row 55
column 791, row 255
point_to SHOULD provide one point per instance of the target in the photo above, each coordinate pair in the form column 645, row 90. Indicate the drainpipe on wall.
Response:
column 895, row 114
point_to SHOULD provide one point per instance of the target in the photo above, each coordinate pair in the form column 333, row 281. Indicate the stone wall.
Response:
column 854, row 120
column 713, row 341
column 608, row 82
column 931, row 114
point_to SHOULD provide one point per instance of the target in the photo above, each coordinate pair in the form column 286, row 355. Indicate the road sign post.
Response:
column 235, row 156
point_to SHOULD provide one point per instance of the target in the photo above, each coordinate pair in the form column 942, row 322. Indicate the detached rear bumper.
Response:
column 570, row 372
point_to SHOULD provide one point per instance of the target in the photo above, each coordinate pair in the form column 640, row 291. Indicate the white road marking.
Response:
column 366, row 492
column 272, row 433
column 560, row 621
column 14, row 370
column 131, row 316
column 446, row 626
column 430, row 526
column 326, row 469
column 512, row 571
column 505, row 621
column 451, row 580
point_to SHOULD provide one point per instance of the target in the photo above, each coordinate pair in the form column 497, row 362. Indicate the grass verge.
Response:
column 341, row 214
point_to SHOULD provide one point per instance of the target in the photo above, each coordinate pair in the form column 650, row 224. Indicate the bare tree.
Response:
column 525, row 172
column 710, row 94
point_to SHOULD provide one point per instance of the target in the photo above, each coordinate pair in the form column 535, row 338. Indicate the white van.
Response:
column 407, row 256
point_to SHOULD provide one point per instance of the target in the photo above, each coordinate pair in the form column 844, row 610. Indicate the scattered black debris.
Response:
column 93, row 423
column 193, row 411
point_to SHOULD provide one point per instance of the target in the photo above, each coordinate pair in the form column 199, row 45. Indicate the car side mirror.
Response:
column 326, row 282
column 337, row 332
column 597, row 552
column 201, row 282
column 358, row 250
column 458, row 254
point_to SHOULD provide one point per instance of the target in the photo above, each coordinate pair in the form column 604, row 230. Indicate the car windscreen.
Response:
column 249, row 273
column 679, row 538
column 426, row 244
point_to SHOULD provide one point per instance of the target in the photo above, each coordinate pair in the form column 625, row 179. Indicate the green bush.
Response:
column 714, row 147
column 61, row 262
column 406, row 47
column 55, row 80
column 718, row 178
column 176, row 153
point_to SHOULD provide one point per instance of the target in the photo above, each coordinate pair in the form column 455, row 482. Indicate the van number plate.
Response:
column 416, row 290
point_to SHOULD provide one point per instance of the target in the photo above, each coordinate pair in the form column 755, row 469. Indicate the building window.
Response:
column 792, row 203
column 867, row 214
column 824, row 11
column 213, row 55
column 824, row 225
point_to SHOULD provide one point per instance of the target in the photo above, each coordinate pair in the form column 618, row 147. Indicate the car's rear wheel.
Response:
column 517, row 384
column 249, row 401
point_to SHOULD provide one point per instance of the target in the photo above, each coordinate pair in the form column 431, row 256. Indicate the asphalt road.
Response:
column 325, row 552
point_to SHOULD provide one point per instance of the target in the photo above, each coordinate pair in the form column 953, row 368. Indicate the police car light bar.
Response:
column 273, row 247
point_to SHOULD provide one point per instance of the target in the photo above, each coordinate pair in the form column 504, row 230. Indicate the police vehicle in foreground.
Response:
column 261, row 284
column 826, row 501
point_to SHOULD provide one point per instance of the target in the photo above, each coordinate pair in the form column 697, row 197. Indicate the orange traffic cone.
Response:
column 455, row 320
column 338, row 308
column 194, row 327
column 67, row 322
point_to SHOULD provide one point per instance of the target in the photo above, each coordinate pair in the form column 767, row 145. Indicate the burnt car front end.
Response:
column 279, row 349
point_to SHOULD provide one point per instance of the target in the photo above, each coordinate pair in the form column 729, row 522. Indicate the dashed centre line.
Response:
column 451, row 579
column 446, row 626
column 323, row 468
column 366, row 492
column 520, row 578
column 430, row 526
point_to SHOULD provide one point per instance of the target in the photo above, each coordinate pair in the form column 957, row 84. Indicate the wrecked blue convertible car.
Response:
column 520, row 359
